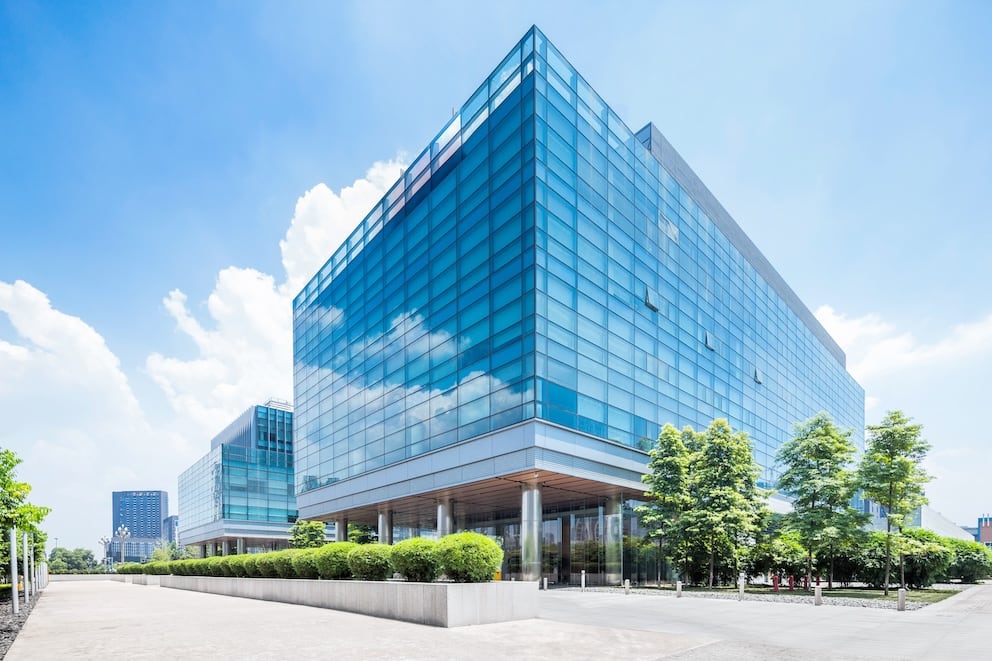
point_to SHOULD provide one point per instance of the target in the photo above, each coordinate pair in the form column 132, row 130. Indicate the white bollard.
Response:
column 626, row 586
column 901, row 603
column 13, row 571
column 545, row 583
column 817, row 596
column 741, row 582
column 583, row 588
column 678, row 588
column 27, row 570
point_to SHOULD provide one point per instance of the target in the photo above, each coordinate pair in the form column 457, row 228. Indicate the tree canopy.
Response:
column 891, row 475
column 817, row 473
column 307, row 534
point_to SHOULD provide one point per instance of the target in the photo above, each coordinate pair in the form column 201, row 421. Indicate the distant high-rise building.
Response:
column 170, row 529
column 239, row 497
column 142, row 513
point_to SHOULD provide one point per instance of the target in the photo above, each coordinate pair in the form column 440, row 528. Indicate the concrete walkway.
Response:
column 104, row 619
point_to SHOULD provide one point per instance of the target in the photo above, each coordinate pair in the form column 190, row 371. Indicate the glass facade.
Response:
column 247, row 476
column 540, row 261
column 537, row 261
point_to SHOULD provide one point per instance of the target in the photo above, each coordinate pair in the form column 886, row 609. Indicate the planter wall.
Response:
column 436, row 604
column 145, row 579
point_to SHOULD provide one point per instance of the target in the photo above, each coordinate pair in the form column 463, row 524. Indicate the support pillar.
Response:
column 203, row 550
column 341, row 530
column 565, row 566
column 613, row 540
column 225, row 547
column 241, row 545
column 386, row 526
column 444, row 520
column 530, row 532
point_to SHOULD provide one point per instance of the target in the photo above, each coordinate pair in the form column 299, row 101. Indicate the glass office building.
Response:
column 498, row 343
column 239, row 497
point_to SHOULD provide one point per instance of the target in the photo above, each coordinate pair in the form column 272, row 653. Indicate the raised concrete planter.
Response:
column 436, row 604
column 59, row 578
column 145, row 579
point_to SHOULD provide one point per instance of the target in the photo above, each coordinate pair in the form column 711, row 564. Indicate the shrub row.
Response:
column 463, row 557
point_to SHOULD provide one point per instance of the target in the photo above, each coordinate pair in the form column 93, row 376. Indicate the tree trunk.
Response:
column 902, row 571
column 712, row 557
column 830, row 580
column 809, row 569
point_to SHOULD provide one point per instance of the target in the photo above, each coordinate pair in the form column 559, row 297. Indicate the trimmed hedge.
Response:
column 463, row 557
column 468, row 557
column 305, row 563
column 332, row 560
column 416, row 559
column 283, row 561
column 371, row 562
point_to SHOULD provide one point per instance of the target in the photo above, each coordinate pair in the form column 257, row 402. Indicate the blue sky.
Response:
column 152, row 149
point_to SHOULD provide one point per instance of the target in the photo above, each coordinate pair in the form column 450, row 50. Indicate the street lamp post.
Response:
column 106, row 554
column 123, row 533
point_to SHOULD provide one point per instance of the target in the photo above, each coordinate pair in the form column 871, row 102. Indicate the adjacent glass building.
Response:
column 500, row 340
column 239, row 497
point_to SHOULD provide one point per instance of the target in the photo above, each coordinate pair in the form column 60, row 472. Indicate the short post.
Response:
column 901, row 603
column 792, row 583
column 545, row 583
column 775, row 583
column 626, row 586
column 583, row 579
column 817, row 596
column 678, row 589
column 13, row 571
column 741, row 582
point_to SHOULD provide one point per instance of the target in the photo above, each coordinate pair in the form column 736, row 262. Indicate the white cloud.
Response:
column 939, row 383
column 69, row 412
column 244, row 354
column 875, row 347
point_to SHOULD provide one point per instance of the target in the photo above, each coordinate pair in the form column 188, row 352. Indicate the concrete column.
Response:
column 444, row 520
column 241, row 545
column 613, row 540
column 203, row 550
column 225, row 547
column 565, row 569
column 341, row 530
column 386, row 526
column 530, row 532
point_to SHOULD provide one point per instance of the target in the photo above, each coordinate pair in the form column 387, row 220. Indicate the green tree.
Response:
column 75, row 561
column 362, row 533
column 725, row 504
column 816, row 473
column 165, row 551
column 890, row 474
column 15, row 510
column 667, row 491
column 307, row 534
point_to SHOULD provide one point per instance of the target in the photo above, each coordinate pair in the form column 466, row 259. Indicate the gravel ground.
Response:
column 781, row 598
column 10, row 624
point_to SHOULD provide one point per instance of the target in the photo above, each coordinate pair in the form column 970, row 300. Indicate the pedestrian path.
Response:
column 106, row 619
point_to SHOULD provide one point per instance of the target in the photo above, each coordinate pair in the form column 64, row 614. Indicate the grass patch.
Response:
column 927, row 596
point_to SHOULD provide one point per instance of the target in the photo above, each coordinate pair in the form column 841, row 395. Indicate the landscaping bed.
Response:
column 11, row 624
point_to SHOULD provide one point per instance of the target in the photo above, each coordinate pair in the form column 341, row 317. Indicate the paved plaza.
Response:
column 105, row 619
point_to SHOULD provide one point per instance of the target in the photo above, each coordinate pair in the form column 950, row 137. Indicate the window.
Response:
column 758, row 376
column 710, row 341
column 650, row 299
